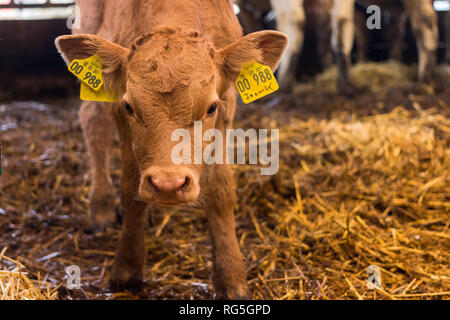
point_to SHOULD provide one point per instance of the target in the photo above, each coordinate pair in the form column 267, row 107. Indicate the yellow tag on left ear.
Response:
column 89, row 71
column 256, row 81
column 103, row 95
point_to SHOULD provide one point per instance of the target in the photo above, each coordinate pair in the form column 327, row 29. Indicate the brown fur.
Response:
column 170, row 60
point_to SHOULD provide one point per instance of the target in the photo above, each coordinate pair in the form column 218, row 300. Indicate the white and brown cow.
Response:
column 424, row 23
column 291, row 20
column 173, row 62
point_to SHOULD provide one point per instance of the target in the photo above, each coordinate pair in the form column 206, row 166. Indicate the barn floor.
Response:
column 362, row 181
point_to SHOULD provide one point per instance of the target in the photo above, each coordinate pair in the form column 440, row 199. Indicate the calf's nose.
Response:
column 167, row 184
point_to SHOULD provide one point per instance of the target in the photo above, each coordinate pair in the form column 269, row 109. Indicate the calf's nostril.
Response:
column 153, row 183
column 184, row 185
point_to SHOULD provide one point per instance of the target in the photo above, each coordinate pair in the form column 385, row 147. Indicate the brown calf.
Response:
column 173, row 62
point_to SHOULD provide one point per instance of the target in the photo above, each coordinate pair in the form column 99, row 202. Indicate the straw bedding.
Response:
column 16, row 285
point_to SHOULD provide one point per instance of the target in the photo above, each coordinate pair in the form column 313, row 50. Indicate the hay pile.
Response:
column 363, row 191
column 16, row 285
column 378, row 76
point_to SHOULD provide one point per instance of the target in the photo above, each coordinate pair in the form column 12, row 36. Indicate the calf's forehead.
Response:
column 166, row 63
column 178, row 77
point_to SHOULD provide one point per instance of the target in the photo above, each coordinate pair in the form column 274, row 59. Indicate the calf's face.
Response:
column 167, row 80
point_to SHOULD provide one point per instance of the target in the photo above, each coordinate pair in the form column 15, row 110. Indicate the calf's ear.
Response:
column 265, row 47
column 83, row 46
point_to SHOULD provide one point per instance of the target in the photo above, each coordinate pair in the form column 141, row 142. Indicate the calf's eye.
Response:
column 129, row 109
column 212, row 110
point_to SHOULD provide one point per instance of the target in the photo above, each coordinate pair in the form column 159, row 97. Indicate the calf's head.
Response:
column 167, row 80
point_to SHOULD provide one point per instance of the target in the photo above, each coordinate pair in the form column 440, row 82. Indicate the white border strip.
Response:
column 36, row 13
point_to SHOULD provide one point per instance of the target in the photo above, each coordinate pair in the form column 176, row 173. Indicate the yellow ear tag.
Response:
column 87, row 94
column 256, row 81
column 89, row 71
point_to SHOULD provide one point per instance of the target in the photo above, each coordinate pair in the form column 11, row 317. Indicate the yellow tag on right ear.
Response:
column 87, row 94
column 89, row 71
column 256, row 81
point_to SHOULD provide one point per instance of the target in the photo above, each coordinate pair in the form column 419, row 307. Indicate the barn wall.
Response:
column 28, row 46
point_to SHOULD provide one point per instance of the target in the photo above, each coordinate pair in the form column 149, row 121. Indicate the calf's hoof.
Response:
column 133, row 284
column 126, row 275
column 427, row 76
column 103, row 214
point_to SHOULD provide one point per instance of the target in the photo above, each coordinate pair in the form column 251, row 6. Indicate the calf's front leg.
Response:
column 229, row 275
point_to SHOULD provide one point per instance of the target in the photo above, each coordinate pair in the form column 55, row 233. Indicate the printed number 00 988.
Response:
column 259, row 77
column 93, row 81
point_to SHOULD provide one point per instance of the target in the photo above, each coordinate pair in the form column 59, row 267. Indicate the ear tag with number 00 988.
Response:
column 89, row 71
column 255, row 81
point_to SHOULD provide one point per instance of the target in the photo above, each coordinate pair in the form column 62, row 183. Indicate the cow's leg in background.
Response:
column 323, row 31
column 98, row 129
column 425, row 28
column 291, row 20
column 447, row 31
column 129, row 261
column 362, row 37
column 251, row 14
column 343, row 36
column 396, row 33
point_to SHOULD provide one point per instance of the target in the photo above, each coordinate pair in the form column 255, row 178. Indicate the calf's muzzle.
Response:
column 168, row 186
